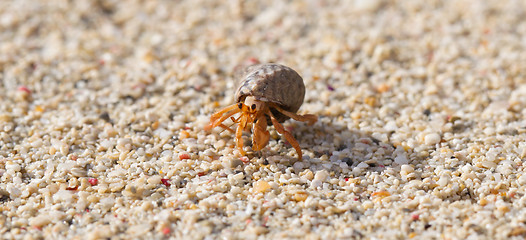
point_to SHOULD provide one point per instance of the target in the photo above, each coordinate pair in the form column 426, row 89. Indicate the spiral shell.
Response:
column 272, row 83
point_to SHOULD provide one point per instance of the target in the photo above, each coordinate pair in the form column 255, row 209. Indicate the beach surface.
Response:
column 421, row 131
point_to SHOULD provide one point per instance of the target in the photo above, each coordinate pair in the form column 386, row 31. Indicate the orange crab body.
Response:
column 266, row 92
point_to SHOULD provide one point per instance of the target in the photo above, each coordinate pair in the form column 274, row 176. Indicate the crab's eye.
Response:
column 253, row 106
column 240, row 105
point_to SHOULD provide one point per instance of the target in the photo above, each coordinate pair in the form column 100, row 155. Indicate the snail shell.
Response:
column 272, row 83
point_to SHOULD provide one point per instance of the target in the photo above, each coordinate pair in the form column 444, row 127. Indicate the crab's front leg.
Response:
column 287, row 135
column 218, row 118
column 242, row 123
column 260, row 133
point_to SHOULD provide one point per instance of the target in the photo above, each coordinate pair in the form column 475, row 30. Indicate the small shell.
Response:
column 272, row 83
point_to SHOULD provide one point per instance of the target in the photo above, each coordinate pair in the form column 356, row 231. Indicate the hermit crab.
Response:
column 267, row 94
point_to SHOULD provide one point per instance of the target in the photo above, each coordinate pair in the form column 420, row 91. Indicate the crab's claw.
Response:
column 261, row 135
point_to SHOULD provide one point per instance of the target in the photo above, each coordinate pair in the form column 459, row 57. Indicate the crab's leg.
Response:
column 310, row 118
column 217, row 118
column 261, row 135
column 239, row 134
column 287, row 135
column 219, row 113
column 226, row 128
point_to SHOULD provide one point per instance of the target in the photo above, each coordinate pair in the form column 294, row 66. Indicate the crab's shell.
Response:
column 272, row 83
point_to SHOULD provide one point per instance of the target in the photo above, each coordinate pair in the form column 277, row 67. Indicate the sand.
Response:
column 421, row 131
